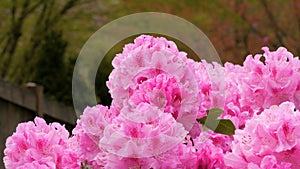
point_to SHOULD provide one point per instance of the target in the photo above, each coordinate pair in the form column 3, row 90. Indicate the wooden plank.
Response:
column 59, row 111
column 33, row 99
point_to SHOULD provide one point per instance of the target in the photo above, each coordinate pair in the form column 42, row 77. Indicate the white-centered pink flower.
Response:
column 152, row 70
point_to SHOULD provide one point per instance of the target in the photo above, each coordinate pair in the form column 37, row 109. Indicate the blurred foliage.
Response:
column 51, row 69
column 236, row 28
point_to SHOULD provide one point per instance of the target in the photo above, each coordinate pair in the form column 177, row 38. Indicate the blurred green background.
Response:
column 41, row 39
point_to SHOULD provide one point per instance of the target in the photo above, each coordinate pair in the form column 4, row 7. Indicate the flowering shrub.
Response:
column 163, row 105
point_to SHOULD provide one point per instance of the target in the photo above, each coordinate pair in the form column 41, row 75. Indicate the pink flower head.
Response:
column 157, row 94
column 249, row 89
column 37, row 145
column 272, row 82
column 276, row 132
column 87, row 134
column 153, row 71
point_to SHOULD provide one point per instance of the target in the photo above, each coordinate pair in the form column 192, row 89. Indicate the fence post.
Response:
column 39, row 93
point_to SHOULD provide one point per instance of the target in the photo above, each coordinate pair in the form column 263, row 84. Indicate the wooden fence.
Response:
column 23, row 103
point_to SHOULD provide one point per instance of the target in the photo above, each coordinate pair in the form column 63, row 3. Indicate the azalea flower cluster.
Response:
column 158, row 95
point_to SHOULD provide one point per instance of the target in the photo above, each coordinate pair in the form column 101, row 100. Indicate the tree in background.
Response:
column 18, row 14
column 40, row 17
column 32, row 50
column 255, row 24
column 50, row 70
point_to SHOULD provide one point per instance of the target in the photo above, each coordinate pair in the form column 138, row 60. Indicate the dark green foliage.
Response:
column 50, row 69
column 101, row 78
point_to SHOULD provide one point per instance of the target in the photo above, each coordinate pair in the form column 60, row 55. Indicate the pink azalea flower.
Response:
column 37, row 145
column 87, row 134
column 272, row 82
column 275, row 132
column 152, row 70
column 243, row 91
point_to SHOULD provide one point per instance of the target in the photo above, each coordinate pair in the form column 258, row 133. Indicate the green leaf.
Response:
column 211, row 121
column 214, row 112
column 225, row 127
column 202, row 120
